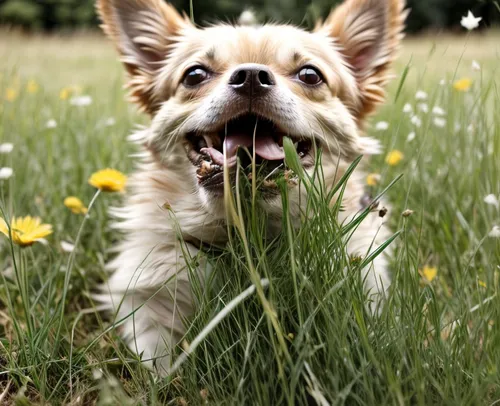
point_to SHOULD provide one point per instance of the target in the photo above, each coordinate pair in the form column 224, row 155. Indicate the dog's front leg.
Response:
column 153, row 298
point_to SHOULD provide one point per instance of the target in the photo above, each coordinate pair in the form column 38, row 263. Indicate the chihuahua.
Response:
column 210, row 91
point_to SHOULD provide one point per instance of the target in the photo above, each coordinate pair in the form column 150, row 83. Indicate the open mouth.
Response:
column 236, row 137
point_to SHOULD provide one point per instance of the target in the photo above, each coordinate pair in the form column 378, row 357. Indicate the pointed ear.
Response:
column 368, row 33
column 143, row 31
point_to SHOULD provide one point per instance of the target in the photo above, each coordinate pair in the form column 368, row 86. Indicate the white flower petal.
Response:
column 407, row 108
column 51, row 123
column 421, row 95
column 476, row 66
column 495, row 232
column 84, row 100
column 470, row 22
column 42, row 241
column 6, row 173
column 6, row 148
column 411, row 136
column 439, row 122
column 382, row 126
column 438, row 111
column 416, row 121
column 423, row 107
column 493, row 200
column 67, row 246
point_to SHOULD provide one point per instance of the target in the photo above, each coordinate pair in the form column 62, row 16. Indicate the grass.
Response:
column 307, row 336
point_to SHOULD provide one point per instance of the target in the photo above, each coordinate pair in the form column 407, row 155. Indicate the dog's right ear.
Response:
column 144, row 32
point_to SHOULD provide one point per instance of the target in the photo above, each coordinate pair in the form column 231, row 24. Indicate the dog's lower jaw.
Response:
column 150, row 285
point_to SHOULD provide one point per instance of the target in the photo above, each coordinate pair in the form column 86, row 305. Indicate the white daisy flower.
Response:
column 423, row 107
column 495, row 232
column 6, row 173
column 438, row 111
column 81, row 101
column 382, row 126
column 439, row 122
column 110, row 122
column 493, row 200
column 6, row 148
column 67, row 246
column 442, row 82
column 475, row 66
column 421, row 95
column 51, row 123
column 470, row 22
column 416, row 121
column 407, row 108
column 411, row 136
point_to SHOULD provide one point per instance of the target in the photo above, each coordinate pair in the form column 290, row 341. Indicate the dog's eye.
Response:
column 310, row 76
column 195, row 76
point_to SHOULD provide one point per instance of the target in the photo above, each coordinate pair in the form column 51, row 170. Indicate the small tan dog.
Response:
column 204, row 90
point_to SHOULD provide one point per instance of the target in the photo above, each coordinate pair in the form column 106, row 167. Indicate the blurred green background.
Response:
column 71, row 14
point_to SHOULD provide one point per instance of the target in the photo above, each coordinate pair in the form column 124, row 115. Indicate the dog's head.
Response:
column 212, row 90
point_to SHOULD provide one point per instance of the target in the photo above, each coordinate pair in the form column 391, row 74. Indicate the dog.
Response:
column 207, row 90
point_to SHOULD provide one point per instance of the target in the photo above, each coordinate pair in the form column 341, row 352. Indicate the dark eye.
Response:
column 195, row 76
column 310, row 76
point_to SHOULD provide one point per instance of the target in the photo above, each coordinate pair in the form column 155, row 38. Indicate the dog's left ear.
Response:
column 368, row 33
column 144, row 32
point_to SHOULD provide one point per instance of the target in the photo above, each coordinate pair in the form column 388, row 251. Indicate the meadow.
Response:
column 307, row 338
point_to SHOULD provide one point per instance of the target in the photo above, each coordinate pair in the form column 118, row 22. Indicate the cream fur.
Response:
column 149, row 284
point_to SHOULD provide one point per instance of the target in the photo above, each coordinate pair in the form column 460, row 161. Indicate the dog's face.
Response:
column 212, row 91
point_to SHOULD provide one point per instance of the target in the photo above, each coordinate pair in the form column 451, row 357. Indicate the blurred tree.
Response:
column 62, row 14
column 25, row 13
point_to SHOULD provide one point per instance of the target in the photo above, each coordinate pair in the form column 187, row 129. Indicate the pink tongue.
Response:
column 265, row 146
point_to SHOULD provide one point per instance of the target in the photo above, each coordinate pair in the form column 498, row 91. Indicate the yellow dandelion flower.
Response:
column 429, row 272
column 372, row 179
column 25, row 230
column 10, row 94
column 462, row 85
column 75, row 205
column 64, row 93
column 108, row 180
column 32, row 87
column 394, row 157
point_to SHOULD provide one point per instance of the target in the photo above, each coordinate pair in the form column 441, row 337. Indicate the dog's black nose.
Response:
column 252, row 80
